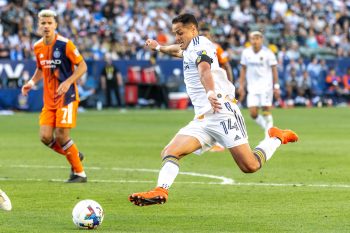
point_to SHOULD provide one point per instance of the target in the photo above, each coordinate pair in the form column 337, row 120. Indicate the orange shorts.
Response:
column 65, row 117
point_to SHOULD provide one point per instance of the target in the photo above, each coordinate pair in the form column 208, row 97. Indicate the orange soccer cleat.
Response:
column 156, row 196
column 285, row 136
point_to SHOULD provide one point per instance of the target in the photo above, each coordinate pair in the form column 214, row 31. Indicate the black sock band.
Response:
column 170, row 158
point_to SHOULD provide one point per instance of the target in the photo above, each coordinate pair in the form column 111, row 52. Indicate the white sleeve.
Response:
column 206, row 47
column 243, row 58
column 272, row 59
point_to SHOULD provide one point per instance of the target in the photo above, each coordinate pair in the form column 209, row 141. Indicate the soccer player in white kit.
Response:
column 217, row 117
column 5, row 202
column 259, row 75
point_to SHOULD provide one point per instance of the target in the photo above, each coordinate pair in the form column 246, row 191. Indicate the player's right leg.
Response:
column 179, row 146
column 5, row 202
column 47, row 126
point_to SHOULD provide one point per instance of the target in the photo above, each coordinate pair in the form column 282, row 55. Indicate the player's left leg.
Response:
column 5, row 202
column 65, row 120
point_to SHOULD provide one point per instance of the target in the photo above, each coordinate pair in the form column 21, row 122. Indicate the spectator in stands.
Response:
column 346, row 81
column 333, row 82
column 4, row 51
column 304, row 90
column 111, row 82
column 292, row 85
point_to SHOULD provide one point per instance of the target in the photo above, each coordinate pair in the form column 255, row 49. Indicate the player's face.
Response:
column 256, row 42
column 47, row 26
column 184, row 34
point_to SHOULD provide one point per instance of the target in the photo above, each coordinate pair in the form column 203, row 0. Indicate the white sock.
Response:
column 167, row 174
column 82, row 174
column 269, row 123
column 260, row 121
column 268, row 146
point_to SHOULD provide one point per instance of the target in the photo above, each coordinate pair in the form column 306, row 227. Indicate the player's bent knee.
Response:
column 167, row 151
column 253, row 115
column 250, row 168
column 46, row 139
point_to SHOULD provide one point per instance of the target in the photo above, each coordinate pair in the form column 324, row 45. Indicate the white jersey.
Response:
column 223, row 87
column 258, row 66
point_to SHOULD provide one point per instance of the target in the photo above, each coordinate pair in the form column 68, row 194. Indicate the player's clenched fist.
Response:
column 152, row 44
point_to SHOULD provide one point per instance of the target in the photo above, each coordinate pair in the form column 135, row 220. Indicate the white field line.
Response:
column 222, row 180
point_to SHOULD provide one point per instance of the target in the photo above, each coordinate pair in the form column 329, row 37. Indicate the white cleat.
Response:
column 5, row 202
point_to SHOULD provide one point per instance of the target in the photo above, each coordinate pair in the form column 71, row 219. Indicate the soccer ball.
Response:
column 87, row 214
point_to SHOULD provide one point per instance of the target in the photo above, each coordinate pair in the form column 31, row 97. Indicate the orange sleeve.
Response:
column 222, row 58
column 328, row 79
column 346, row 82
column 72, row 53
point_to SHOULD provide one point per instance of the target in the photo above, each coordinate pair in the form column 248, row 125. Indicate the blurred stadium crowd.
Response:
column 296, row 30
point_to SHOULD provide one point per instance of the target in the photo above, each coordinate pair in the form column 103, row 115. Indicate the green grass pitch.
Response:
column 305, row 187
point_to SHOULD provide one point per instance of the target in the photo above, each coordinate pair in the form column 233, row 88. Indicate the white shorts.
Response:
column 260, row 100
column 227, row 128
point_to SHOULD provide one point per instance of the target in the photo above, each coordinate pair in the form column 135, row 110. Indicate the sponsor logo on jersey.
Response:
column 50, row 63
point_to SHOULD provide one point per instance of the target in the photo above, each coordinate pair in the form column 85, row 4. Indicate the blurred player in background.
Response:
column 5, row 202
column 220, row 53
column 260, row 76
column 56, row 57
column 217, row 116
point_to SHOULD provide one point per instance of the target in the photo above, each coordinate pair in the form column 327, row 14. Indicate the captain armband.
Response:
column 204, row 57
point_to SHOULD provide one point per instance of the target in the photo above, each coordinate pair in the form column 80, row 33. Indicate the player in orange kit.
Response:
column 56, row 58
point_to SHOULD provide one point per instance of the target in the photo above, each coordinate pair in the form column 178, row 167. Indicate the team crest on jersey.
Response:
column 261, row 58
column 56, row 54
column 202, row 52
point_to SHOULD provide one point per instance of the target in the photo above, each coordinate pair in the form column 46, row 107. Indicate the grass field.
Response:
column 305, row 187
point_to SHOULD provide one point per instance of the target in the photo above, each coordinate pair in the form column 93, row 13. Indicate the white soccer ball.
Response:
column 87, row 214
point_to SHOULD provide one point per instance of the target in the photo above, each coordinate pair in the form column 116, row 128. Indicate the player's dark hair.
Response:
column 186, row 19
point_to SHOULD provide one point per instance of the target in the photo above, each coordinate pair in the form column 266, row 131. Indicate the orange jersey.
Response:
column 56, row 61
column 221, row 54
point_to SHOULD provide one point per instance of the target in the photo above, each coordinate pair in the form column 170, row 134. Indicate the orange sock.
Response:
column 72, row 155
column 56, row 147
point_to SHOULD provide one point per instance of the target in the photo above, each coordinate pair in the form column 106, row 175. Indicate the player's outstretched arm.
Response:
column 78, row 72
column 173, row 50
column 29, row 85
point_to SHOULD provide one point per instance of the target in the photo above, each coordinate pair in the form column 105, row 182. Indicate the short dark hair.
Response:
column 186, row 19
